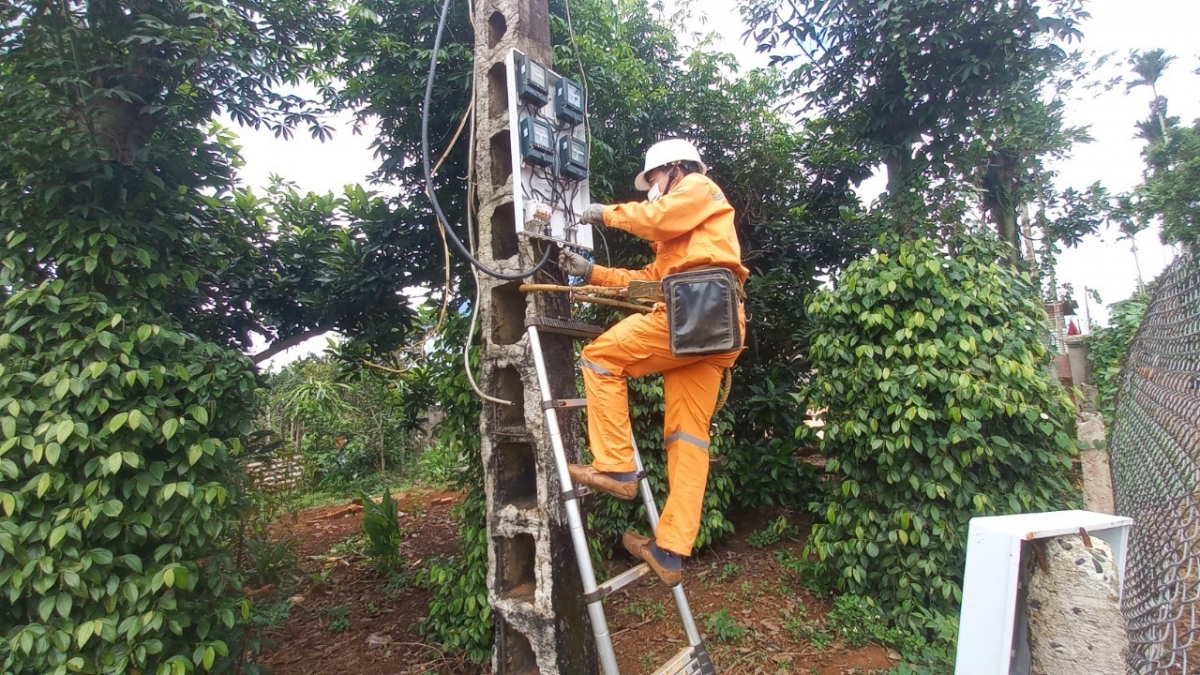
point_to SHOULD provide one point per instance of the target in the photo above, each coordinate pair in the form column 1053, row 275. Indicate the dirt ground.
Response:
column 347, row 621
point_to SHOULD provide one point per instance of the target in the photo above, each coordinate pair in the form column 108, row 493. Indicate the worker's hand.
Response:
column 594, row 214
column 575, row 265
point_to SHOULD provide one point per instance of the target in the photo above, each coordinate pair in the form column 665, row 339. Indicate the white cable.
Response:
column 474, row 272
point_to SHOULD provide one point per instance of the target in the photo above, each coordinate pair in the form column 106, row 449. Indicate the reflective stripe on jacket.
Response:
column 691, row 226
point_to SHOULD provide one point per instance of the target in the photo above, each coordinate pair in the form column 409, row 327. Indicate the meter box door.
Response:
column 993, row 629
column 549, row 147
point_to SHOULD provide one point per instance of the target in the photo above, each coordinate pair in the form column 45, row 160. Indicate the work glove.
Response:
column 575, row 265
column 594, row 214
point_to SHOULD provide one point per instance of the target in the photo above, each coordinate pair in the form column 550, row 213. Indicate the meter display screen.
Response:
column 541, row 136
column 574, row 96
column 537, row 75
column 578, row 153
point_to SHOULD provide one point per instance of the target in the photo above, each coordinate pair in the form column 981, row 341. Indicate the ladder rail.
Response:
column 604, row 646
column 681, row 601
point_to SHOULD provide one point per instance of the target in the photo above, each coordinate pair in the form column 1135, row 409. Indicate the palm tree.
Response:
column 1129, row 223
column 1149, row 67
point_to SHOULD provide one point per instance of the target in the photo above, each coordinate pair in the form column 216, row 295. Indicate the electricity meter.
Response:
column 537, row 142
column 568, row 102
column 572, row 158
column 533, row 82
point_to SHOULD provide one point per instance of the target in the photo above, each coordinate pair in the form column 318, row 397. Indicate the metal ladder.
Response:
column 693, row 659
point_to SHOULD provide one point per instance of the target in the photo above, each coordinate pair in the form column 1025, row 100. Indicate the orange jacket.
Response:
column 689, row 227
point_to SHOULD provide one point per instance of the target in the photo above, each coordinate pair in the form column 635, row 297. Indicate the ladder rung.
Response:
column 617, row 583
column 565, row 404
column 575, row 329
column 577, row 492
column 685, row 661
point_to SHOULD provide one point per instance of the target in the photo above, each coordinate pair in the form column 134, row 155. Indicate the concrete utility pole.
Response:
column 533, row 585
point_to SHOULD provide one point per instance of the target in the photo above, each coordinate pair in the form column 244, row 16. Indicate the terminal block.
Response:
column 537, row 217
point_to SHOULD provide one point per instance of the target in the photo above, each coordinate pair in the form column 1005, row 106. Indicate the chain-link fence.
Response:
column 1155, row 454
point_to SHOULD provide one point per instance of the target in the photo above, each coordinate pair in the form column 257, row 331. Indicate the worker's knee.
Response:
column 599, row 359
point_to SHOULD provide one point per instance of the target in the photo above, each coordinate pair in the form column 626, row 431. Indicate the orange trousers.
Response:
column 637, row 346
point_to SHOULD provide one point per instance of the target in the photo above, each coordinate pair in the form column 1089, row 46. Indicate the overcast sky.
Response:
column 1113, row 158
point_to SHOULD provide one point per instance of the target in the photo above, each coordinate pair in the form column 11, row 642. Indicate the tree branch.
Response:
column 289, row 342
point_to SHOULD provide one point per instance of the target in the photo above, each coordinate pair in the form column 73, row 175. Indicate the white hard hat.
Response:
column 667, row 152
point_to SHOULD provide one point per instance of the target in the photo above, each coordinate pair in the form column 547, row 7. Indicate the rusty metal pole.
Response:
column 534, row 587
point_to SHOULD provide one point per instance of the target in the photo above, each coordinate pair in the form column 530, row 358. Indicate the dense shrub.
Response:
column 1108, row 347
column 118, row 494
column 939, row 407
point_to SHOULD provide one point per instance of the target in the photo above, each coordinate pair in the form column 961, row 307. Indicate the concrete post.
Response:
column 1077, row 353
column 1074, row 608
column 533, row 585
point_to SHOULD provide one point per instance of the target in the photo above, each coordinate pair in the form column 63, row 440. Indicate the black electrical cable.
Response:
column 437, row 207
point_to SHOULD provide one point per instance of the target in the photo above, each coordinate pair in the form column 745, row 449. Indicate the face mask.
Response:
column 654, row 193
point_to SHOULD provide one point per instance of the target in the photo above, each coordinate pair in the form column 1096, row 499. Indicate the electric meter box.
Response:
column 572, row 158
column 537, row 142
column 548, row 147
column 568, row 102
column 533, row 81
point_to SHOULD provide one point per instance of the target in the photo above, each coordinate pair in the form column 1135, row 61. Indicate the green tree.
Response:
column 1171, row 188
column 945, row 94
column 1149, row 67
column 133, row 272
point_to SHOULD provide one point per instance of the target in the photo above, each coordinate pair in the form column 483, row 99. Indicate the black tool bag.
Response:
column 702, row 312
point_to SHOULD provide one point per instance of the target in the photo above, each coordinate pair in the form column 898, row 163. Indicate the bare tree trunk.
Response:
column 1027, row 231
column 1136, row 265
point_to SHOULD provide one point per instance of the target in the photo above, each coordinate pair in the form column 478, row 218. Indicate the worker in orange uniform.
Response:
column 690, row 226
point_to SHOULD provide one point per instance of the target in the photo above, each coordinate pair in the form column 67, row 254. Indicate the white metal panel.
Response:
column 563, row 229
column 990, row 610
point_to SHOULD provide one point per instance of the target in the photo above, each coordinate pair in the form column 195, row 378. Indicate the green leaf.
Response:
column 64, row 431
column 57, row 534
column 63, row 605
column 199, row 414
column 169, row 428
column 84, row 633
column 46, row 607
column 118, row 421
column 9, row 426
column 136, row 418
